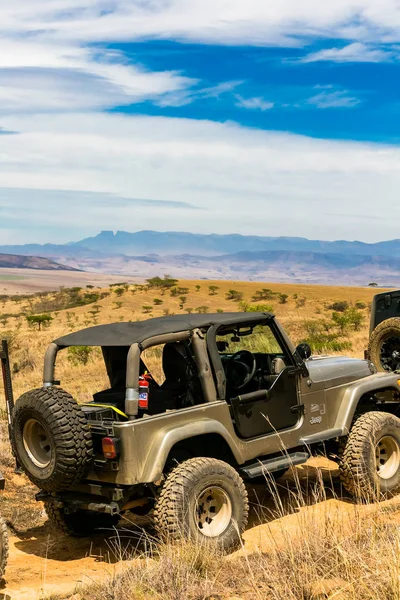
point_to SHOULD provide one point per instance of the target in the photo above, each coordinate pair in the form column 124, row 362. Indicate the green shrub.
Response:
column 360, row 305
column 339, row 306
column 79, row 355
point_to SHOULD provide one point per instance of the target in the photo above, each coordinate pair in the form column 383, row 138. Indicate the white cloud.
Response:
column 217, row 21
column 334, row 99
column 256, row 103
column 266, row 183
column 355, row 52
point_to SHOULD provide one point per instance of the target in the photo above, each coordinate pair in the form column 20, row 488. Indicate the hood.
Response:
column 333, row 371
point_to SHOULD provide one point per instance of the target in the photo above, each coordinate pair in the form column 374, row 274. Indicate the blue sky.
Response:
column 253, row 117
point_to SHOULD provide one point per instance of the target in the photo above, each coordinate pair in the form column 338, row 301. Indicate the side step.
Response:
column 274, row 464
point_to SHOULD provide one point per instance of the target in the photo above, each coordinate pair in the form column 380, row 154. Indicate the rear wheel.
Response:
column 203, row 500
column 51, row 438
column 384, row 345
column 370, row 461
column 81, row 523
column 3, row 547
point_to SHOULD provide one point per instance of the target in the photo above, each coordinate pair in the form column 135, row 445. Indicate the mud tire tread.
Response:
column 169, row 506
column 72, row 437
column 355, row 474
column 388, row 326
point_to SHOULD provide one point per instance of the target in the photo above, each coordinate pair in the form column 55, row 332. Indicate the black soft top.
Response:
column 126, row 334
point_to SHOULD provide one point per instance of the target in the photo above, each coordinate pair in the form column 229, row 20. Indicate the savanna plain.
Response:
column 306, row 539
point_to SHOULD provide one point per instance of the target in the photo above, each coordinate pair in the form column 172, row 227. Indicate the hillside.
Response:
column 301, row 531
column 197, row 256
column 32, row 262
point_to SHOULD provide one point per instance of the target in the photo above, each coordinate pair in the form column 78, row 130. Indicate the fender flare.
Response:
column 167, row 438
column 353, row 394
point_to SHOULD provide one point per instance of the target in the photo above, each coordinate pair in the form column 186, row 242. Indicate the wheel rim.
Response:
column 213, row 511
column 387, row 454
column 36, row 443
column 390, row 353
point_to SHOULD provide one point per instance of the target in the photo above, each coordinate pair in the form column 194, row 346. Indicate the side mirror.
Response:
column 304, row 351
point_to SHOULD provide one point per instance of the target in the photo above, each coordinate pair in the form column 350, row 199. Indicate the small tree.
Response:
column 198, row 287
column 146, row 308
column 117, row 305
column 202, row 310
column 283, row 298
column 182, row 301
column 189, row 310
column 39, row 321
column 119, row 291
column 213, row 289
column 79, row 355
column 157, row 301
column 234, row 295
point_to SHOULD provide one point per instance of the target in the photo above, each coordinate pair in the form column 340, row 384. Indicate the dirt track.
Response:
column 43, row 563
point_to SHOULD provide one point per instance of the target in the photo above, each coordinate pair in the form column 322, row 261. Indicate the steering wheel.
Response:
column 243, row 361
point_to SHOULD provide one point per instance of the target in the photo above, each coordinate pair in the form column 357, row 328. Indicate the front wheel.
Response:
column 81, row 523
column 203, row 500
column 370, row 461
column 3, row 547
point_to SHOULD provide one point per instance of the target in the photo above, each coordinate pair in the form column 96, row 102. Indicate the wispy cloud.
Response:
column 330, row 98
column 230, row 171
column 355, row 52
column 189, row 95
column 256, row 103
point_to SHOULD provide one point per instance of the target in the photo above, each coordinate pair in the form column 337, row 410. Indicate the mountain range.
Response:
column 231, row 256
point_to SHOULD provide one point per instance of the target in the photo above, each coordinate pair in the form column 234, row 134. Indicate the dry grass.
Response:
column 346, row 555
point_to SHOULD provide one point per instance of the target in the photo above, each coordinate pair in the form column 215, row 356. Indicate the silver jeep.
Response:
column 238, row 401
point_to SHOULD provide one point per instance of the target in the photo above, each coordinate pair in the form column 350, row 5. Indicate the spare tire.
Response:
column 384, row 345
column 51, row 438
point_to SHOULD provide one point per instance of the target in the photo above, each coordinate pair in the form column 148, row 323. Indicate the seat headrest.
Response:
column 278, row 364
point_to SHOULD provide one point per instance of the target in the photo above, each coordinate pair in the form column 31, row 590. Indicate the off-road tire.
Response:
column 358, row 462
column 175, row 511
column 3, row 547
column 386, row 329
column 67, row 434
column 81, row 523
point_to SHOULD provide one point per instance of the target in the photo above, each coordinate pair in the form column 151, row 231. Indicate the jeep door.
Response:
column 268, row 402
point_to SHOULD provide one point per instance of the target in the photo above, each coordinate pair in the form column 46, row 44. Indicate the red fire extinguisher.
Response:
column 144, row 390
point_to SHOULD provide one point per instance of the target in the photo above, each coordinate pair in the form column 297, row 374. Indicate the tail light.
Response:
column 110, row 447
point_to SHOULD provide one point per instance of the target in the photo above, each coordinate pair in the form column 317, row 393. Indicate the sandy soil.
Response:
column 23, row 281
column 43, row 563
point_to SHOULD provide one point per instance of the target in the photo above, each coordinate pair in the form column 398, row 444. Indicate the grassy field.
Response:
column 305, row 308
column 335, row 551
